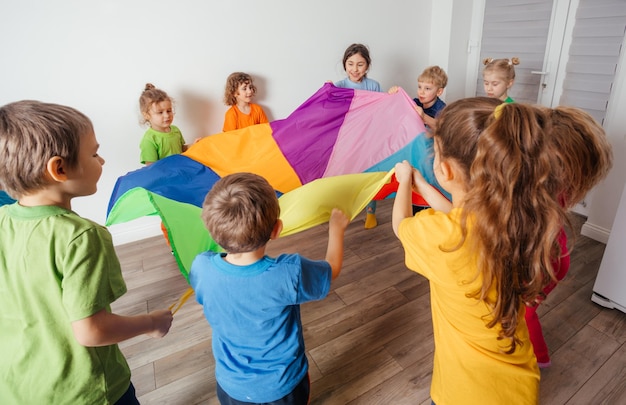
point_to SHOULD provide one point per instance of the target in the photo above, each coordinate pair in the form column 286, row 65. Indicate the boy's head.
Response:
column 241, row 211
column 236, row 83
column 32, row 133
column 430, row 85
column 435, row 76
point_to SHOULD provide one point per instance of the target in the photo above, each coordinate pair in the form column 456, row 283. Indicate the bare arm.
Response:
column 402, row 203
column 104, row 328
column 336, row 230
column 430, row 121
column 432, row 196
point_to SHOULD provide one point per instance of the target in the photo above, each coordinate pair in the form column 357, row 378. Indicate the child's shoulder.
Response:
column 54, row 220
column 432, row 222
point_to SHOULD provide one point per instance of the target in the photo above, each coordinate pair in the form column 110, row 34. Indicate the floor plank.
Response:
column 370, row 341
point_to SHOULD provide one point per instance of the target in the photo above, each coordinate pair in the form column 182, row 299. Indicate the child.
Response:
column 162, row 139
column 570, row 143
column 356, row 63
column 479, row 282
column 238, row 94
column 498, row 77
column 59, row 272
column 430, row 86
column 252, row 301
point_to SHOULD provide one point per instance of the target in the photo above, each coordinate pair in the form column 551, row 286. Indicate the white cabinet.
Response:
column 609, row 289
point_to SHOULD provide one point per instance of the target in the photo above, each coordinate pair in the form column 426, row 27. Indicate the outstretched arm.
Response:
column 104, row 328
column 336, row 230
column 428, row 120
column 432, row 196
column 402, row 203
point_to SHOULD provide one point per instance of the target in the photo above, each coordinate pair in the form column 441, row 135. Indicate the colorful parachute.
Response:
column 336, row 150
column 5, row 198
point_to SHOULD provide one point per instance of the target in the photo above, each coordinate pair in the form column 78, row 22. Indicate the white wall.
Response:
column 606, row 196
column 97, row 57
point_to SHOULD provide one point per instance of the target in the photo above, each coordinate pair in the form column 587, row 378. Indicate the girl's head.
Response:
column 239, row 89
column 156, row 108
column 499, row 76
column 522, row 167
column 468, row 118
column 356, row 62
column 582, row 152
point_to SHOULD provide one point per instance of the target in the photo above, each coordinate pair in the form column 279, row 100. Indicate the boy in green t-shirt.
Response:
column 58, row 271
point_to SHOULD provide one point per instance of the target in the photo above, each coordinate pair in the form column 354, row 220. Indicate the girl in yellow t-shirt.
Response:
column 513, row 170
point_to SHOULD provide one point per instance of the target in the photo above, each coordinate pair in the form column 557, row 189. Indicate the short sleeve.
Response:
column 148, row 149
column 91, row 274
column 230, row 120
column 315, row 280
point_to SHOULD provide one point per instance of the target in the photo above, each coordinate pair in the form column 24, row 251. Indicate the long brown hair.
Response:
column 514, row 207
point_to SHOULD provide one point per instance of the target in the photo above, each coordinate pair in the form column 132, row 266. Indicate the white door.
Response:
column 582, row 41
column 517, row 28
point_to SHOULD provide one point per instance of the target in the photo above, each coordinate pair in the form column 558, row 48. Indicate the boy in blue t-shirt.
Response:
column 252, row 301
column 58, row 271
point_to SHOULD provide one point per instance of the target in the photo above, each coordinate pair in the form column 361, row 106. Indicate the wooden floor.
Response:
column 370, row 341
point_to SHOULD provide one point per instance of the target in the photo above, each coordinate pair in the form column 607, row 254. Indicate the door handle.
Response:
column 538, row 72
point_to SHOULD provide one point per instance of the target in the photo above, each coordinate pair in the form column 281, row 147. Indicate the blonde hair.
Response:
column 434, row 75
column 505, row 68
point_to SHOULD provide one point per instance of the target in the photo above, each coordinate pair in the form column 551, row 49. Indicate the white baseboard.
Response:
column 595, row 232
column 138, row 229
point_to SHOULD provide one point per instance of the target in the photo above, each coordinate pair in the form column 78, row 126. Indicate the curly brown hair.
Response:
column 233, row 82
